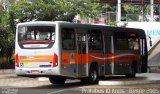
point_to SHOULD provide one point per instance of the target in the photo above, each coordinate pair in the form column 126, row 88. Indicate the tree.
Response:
column 54, row 9
column 6, row 34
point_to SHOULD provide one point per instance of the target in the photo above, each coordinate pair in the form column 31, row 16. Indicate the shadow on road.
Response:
column 67, row 85
column 76, row 83
column 123, row 78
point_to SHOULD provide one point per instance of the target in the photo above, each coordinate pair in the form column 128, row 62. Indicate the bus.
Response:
column 62, row 50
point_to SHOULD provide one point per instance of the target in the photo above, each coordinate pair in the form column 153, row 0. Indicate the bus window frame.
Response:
column 116, row 46
column 90, row 42
column 126, row 36
column 65, row 42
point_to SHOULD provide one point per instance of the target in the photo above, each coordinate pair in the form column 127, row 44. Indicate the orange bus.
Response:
column 63, row 50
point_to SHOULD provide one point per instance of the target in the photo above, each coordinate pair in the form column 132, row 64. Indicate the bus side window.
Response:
column 95, row 40
column 121, row 41
column 68, row 39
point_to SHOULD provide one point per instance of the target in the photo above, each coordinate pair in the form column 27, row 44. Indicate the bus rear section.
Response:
column 129, row 53
column 35, row 50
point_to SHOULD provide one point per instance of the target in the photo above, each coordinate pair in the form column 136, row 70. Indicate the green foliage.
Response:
column 7, row 37
column 136, row 9
column 1, row 10
column 54, row 9
column 6, row 34
column 132, row 9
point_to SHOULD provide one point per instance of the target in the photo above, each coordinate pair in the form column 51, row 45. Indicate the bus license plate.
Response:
column 35, row 71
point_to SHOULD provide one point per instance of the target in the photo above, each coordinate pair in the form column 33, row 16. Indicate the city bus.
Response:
column 62, row 50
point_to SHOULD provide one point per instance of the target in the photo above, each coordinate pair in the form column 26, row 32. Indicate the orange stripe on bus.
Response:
column 66, row 58
column 75, row 58
column 41, row 58
column 97, row 57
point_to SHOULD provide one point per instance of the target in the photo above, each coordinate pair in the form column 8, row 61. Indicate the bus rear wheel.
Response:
column 57, row 80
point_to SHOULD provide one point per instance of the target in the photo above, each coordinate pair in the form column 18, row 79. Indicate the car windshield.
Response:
column 36, row 33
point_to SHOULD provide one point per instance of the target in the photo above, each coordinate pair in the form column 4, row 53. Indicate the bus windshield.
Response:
column 36, row 34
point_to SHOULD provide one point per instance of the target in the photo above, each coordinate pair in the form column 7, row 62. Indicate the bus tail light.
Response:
column 17, row 61
column 55, row 60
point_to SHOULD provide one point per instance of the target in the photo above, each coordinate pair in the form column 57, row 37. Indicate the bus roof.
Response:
column 41, row 22
column 93, row 26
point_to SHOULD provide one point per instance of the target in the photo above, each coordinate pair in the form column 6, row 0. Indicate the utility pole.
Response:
column 119, row 11
column 152, row 10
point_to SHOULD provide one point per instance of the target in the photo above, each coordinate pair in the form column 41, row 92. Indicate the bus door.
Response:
column 108, row 57
column 143, row 47
column 81, row 54
column 68, row 51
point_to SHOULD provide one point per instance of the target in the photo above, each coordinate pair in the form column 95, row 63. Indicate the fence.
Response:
column 111, row 18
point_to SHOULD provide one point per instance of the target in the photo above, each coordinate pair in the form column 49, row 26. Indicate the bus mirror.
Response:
column 150, row 42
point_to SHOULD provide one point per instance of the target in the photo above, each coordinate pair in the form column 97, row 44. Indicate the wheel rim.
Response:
column 94, row 76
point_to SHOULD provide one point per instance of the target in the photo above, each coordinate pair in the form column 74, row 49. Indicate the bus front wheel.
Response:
column 132, row 73
column 57, row 80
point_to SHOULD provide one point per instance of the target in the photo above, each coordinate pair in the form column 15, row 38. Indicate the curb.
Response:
column 128, row 82
column 43, row 79
column 145, row 78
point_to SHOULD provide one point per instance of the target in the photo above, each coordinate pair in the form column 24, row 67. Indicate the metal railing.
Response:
column 141, row 18
column 111, row 18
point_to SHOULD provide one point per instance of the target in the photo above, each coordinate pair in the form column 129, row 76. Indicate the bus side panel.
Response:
column 73, row 61
column 123, row 62
column 126, row 52
column 121, row 68
column 68, row 64
column 108, row 40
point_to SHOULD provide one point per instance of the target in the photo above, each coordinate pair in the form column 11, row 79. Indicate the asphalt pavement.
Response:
column 11, row 84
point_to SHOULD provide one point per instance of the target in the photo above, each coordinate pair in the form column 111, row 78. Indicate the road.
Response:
column 11, row 84
column 76, row 88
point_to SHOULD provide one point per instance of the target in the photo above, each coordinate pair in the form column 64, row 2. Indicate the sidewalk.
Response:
column 7, row 71
column 145, row 78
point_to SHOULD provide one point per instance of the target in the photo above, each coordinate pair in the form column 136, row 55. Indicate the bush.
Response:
column 6, row 65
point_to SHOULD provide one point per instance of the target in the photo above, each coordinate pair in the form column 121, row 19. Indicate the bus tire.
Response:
column 57, row 80
column 132, row 73
column 93, row 75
